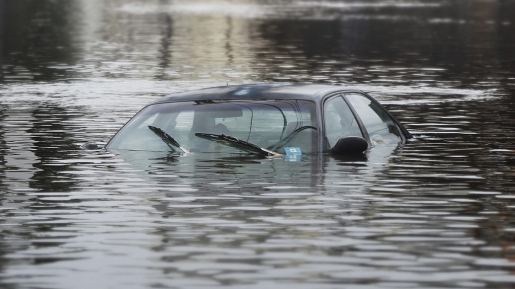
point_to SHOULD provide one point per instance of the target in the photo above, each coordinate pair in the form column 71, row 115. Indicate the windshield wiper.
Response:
column 237, row 143
column 168, row 139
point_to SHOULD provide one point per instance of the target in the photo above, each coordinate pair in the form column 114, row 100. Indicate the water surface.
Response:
column 434, row 213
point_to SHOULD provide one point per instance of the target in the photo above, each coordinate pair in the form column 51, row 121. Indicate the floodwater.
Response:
column 438, row 212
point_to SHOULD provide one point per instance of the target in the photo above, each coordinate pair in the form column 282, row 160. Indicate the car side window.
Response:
column 339, row 121
column 379, row 125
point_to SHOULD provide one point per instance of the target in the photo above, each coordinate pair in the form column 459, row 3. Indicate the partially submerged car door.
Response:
column 355, row 115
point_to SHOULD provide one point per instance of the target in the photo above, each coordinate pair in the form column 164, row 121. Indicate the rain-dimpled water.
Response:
column 436, row 212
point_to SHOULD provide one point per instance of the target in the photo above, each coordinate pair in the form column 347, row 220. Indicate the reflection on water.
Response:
column 435, row 213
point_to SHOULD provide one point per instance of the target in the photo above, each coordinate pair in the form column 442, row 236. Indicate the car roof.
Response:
column 267, row 91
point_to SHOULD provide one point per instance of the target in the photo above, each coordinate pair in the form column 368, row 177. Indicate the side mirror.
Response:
column 350, row 145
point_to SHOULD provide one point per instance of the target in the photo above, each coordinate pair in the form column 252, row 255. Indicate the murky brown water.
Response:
column 435, row 213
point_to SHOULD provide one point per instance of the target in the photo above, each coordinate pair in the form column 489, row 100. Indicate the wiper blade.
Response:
column 168, row 139
column 237, row 143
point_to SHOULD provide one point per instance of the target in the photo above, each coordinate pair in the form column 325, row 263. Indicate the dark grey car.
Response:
column 266, row 119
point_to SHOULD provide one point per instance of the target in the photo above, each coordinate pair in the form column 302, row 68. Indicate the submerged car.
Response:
column 264, row 119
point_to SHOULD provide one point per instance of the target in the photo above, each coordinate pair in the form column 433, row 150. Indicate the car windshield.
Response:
column 221, row 126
